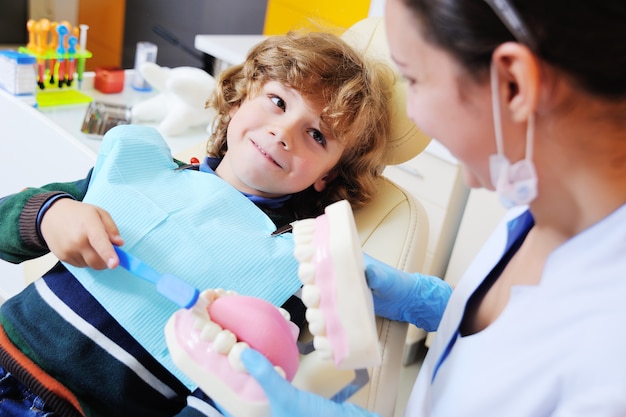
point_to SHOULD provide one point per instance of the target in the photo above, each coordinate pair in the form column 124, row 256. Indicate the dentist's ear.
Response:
column 519, row 75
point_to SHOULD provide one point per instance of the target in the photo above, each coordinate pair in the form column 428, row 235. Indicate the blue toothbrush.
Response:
column 170, row 286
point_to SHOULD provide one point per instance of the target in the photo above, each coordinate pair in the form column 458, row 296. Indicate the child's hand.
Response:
column 81, row 234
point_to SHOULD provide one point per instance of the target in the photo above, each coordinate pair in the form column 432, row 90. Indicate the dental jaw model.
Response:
column 206, row 337
column 340, row 309
column 206, row 341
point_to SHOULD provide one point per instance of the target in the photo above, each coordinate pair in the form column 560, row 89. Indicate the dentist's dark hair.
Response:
column 584, row 39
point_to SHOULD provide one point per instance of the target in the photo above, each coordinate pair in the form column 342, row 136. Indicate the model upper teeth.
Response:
column 323, row 346
column 310, row 295
column 306, row 273
column 303, row 231
column 317, row 325
column 305, row 252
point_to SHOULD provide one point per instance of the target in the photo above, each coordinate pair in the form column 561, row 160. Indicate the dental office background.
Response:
column 115, row 26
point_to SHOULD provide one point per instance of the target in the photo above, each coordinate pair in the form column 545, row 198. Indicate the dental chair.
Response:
column 393, row 228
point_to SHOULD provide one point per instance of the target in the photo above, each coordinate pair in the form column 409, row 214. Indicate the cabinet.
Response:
column 104, row 18
column 106, row 31
column 482, row 214
column 434, row 178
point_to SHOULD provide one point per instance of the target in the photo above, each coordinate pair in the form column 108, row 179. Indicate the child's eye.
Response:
column 318, row 137
column 410, row 81
column 279, row 102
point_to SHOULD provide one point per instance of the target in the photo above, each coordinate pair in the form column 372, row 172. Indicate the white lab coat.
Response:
column 557, row 349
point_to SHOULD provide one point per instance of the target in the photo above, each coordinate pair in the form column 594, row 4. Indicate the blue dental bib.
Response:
column 186, row 223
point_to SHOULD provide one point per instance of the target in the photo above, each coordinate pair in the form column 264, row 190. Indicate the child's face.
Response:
column 275, row 146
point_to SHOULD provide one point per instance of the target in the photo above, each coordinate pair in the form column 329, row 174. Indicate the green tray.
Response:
column 61, row 98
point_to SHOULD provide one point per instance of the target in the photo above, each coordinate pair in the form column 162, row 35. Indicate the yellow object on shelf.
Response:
column 61, row 97
column 285, row 15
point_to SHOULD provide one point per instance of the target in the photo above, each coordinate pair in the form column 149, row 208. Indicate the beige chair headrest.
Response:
column 368, row 36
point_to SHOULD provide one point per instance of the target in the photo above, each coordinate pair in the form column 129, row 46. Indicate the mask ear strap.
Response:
column 497, row 121
column 530, row 136
column 495, row 106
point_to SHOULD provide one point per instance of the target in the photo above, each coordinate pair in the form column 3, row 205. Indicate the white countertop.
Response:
column 70, row 117
column 231, row 49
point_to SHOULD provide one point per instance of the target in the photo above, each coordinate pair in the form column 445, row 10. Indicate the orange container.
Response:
column 109, row 80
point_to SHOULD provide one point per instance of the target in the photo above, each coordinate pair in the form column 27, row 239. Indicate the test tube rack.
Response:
column 59, row 54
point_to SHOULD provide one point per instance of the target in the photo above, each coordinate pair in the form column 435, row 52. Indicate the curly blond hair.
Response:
column 353, row 92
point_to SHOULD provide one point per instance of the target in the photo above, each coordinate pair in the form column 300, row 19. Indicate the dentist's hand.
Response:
column 414, row 298
column 288, row 401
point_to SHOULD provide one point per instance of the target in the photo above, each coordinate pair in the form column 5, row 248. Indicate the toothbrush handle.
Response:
column 170, row 286
column 137, row 267
column 178, row 291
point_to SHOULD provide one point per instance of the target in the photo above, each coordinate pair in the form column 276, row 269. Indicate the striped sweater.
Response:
column 59, row 341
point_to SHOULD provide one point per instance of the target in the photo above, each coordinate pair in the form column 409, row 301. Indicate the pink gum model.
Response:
column 206, row 343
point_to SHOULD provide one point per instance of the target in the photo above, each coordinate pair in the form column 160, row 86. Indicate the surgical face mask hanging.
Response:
column 515, row 184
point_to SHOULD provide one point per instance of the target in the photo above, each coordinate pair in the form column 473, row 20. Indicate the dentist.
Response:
column 530, row 96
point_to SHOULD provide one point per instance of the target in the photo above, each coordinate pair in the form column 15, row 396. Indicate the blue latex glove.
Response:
column 288, row 401
column 414, row 298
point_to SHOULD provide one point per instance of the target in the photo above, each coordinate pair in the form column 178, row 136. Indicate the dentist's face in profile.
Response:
column 442, row 100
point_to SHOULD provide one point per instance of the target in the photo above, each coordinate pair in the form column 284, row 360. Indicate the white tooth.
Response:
column 310, row 295
column 200, row 311
column 198, row 322
column 306, row 272
column 302, row 237
column 285, row 313
column 210, row 330
column 224, row 341
column 230, row 292
column 317, row 324
column 210, row 295
column 234, row 356
column 323, row 346
column 304, row 252
column 280, row 371
column 305, row 226
column 302, row 241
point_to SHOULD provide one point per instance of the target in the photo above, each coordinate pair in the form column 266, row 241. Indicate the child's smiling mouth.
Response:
column 265, row 154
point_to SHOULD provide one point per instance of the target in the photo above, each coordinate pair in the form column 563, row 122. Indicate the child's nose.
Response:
column 283, row 134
